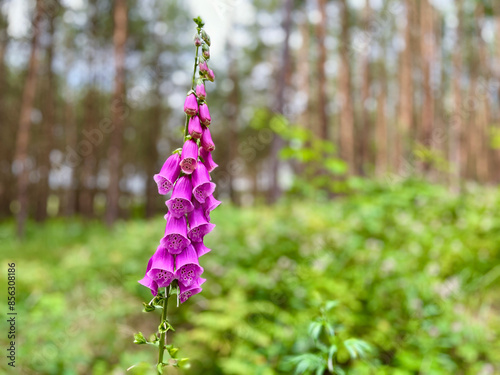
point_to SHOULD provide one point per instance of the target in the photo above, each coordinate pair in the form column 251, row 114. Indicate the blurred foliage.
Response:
column 413, row 269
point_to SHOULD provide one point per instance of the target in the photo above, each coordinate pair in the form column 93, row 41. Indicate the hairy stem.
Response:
column 163, row 335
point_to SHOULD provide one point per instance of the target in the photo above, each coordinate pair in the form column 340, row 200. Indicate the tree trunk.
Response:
column 70, row 196
column 322, row 93
column 233, row 122
column 456, row 124
column 427, row 54
column 345, row 95
column 91, row 118
column 381, row 125
column 485, row 154
column 5, row 131
column 277, row 142
column 48, row 125
column 23, row 132
column 405, row 114
column 152, row 151
column 366, row 126
column 118, row 111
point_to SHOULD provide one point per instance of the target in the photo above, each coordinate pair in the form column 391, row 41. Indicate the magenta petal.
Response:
column 180, row 202
column 162, row 268
column 202, row 187
column 200, row 248
column 210, row 204
column 206, row 140
column 187, row 267
column 191, row 105
column 168, row 174
column 189, row 156
column 198, row 224
column 200, row 91
column 205, row 118
column 188, row 291
column 203, row 67
column 208, row 162
column 175, row 239
column 147, row 281
column 194, row 127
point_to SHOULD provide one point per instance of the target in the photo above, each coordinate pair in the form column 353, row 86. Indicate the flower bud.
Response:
column 210, row 75
column 205, row 37
column 206, row 51
column 205, row 118
column 200, row 91
column 203, row 67
column 197, row 40
column 206, row 141
column 191, row 105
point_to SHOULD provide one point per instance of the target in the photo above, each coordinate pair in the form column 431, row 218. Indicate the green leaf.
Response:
column 159, row 368
column 331, row 352
column 139, row 339
column 172, row 351
column 314, row 330
column 357, row 348
column 148, row 307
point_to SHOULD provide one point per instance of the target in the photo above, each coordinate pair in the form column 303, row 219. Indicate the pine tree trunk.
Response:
column 5, row 131
column 381, row 151
column 23, row 132
column 366, row 125
column 277, row 143
column 345, row 95
column 152, row 151
column 70, row 195
column 483, row 101
column 322, row 93
column 48, row 125
column 118, row 112
column 405, row 114
column 427, row 54
column 233, row 101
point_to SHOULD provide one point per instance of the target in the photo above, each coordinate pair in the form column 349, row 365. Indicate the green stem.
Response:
column 192, row 87
column 162, row 343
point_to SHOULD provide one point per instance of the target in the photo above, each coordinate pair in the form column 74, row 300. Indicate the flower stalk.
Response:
column 163, row 335
column 175, row 265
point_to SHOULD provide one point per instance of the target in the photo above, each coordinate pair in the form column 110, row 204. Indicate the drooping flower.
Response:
column 203, row 67
column 168, row 174
column 189, row 156
column 205, row 118
column 202, row 187
column 180, row 202
column 200, row 248
column 210, row 204
column 208, row 162
column 191, row 105
column 206, row 141
column 149, row 282
column 198, row 224
column 210, row 75
column 162, row 268
column 187, row 267
column 175, row 239
column 200, row 91
column 188, row 291
column 194, row 127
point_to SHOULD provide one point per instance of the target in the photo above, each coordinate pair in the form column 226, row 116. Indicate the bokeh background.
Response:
column 358, row 144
